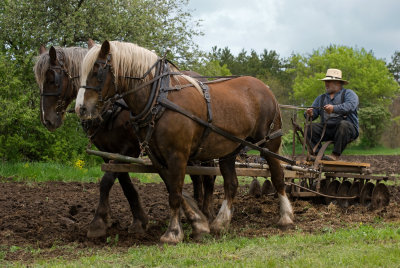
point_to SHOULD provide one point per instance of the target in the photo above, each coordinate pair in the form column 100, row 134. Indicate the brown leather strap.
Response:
column 172, row 106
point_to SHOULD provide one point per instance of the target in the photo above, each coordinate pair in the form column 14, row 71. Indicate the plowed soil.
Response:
column 41, row 215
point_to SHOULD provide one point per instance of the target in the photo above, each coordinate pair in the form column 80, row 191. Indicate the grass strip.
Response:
column 363, row 246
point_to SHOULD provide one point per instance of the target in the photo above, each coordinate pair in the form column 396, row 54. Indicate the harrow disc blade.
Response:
column 366, row 194
column 255, row 188
column 267, row 188
column 324, row 186
column 332, row 189
column 322, row 189
column 343, row 190
column 355, row 190
column 380, row 196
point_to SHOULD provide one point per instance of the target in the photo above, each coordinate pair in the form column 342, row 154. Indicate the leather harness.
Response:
column 157, row 103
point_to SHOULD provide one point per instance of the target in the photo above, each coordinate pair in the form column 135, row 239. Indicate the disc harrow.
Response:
column 339, row 182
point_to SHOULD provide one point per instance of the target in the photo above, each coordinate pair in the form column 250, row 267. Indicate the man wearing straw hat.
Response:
column 337, row 109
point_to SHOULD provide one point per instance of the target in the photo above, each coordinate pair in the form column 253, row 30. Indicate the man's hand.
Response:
column 310, row 112
column 328, row 108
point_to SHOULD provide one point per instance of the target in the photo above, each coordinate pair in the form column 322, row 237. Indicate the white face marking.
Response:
column 79, row 100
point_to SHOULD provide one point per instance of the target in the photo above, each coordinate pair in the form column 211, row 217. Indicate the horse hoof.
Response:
column 97, row 229
column 170, row 238
column 255, row 188
column 200, row 228
column 199, row 235
column 137, row 227
column 286, row 221
column 218, row 228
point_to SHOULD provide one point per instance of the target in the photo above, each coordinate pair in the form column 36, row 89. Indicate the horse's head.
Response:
column 53, row 82
column 97, row 82
column 114, row 67
column 53, row 72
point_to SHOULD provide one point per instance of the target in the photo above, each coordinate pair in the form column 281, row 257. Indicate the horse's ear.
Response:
column 90, row 43
column 42, row 49
column 53, row 55
column 105, row 49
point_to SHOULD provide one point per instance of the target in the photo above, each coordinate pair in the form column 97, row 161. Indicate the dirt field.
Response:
column 55, row 213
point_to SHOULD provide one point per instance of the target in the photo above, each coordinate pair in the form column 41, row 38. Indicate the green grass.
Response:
column 42, row 172
column 360, row 246
column 39, row 172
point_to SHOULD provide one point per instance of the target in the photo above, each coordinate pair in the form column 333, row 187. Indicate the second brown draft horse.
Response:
column 244, row 107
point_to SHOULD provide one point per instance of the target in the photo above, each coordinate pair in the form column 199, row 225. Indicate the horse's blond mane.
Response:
column 72, row 58
column 127, row 59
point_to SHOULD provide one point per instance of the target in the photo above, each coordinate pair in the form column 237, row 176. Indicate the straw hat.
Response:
column 334, row 75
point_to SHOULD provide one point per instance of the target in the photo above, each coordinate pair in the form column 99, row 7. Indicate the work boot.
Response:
column 331, row 157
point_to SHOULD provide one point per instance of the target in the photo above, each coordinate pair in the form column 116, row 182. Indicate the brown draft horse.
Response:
column 56, row 73
column 244, row 107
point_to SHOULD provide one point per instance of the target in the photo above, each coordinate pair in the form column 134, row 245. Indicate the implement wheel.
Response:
column 344, row 191
column 380, row 196
column 332, row 189
column 366, row 194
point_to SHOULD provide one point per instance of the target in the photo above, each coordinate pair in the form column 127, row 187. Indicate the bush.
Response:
column 373, row 121
column 22, row 136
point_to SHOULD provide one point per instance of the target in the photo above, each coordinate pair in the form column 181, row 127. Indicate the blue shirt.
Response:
column 346, row 110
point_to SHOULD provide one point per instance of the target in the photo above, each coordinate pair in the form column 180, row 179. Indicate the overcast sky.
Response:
column 299, row 26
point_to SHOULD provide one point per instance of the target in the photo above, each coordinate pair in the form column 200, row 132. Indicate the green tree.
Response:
column 26, row 24
column 373, row 122
column 368, row 77
column 394, row 66
column 212, row 68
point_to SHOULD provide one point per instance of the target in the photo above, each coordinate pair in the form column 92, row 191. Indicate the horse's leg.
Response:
column 174, row 179
column 278, row 180
column 223, row 219
column 195, row 217
column 208, row 206
column 102, row 218
column 198, row 193
column 140, row 219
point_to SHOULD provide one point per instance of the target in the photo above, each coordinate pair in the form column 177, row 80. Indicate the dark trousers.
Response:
column 341, row 134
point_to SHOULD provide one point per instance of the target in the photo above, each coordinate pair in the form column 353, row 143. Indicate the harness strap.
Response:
column 172, row 106
column 152, row 111
column 206, row 132
column 143, row 115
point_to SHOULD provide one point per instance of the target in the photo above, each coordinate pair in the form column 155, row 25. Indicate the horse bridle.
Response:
column 59, row 71
column 102, row 72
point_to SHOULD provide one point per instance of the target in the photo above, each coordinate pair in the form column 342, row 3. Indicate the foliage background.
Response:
column 158, row 25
